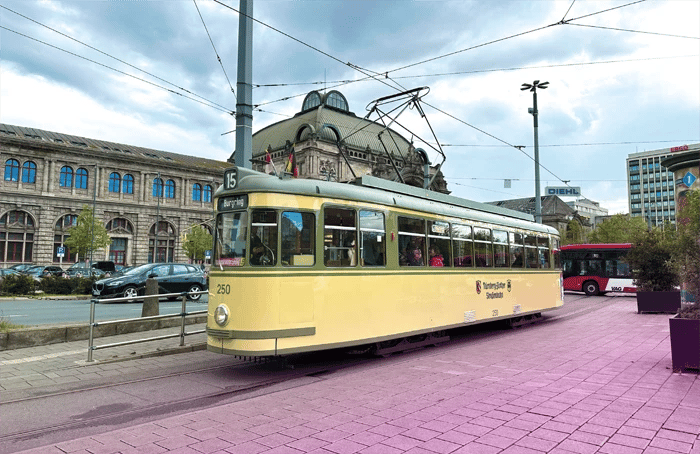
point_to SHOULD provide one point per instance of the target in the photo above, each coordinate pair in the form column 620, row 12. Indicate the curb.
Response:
column 34, row 337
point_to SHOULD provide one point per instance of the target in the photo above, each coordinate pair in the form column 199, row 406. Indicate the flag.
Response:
column 269, row 166
column 292, row 163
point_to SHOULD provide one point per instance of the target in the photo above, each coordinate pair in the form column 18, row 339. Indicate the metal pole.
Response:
column 92, row 239
column 538, row 201
column 159, row 189
column 244, row 104
column 92, row 323
column 182, row 324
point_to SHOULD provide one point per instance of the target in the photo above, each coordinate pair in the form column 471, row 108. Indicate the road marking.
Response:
column 40, row 358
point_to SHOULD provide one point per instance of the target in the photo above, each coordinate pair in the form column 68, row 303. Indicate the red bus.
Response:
column 596, row 269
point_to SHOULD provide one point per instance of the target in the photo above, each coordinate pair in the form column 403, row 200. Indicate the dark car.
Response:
column 21, row 267
column 106, row 266
column 171, row 277
column 80, row 270
column 39, row 271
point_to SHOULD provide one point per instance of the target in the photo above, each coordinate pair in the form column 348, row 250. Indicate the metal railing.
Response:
column 183, row 315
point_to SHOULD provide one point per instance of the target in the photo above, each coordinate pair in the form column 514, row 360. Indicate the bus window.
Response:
column 339, row 237
column 543, row 252
column 263, row 237
column 516, row 250
column 500, row 249
column 462, row 245
column 411, row 242
column 298, row 238
column 372, row 238
column 230, row 238
column 483, row 248
column 531, row 251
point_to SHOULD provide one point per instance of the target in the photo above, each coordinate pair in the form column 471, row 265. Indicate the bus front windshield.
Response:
column 230, row 245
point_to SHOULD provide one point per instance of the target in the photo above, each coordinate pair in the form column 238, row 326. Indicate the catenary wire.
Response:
column 634, row 31
column 213, row 105
column 107, row 55
column 215, row 52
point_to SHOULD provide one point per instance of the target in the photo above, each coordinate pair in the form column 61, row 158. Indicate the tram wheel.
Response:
column 591, row 288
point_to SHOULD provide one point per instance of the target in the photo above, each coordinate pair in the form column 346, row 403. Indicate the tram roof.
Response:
column 378, row 190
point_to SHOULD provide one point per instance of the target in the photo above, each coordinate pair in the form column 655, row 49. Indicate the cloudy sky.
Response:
column 624, row 76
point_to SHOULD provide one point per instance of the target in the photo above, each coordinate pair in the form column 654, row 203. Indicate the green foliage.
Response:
column 82, row 285
column 687, row 252
column 56, row 285
column 650, row 260
column 17, row 284
column 196, row 242
column 574, row 233
column 6, row 325
column 81, row 235
column 620, row 228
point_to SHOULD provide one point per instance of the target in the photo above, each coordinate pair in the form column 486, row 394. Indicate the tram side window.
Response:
column 556, row 252
column 298, row 235
column 411, row 242
column 543, row 250
column 500, row 249
column 339, row 237
column 231, row 231
column 263, row 237
column 438, row 244
column 372, row 238
column 531, row 251
column 516, row 250
column 483, row 248
column 462, row 245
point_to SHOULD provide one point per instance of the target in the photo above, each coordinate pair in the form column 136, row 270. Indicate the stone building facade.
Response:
column 49, row 177
column 331, row 143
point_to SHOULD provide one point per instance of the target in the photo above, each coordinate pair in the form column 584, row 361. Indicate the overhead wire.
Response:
column 217, row 53
column 213, row 105
column 105, row 54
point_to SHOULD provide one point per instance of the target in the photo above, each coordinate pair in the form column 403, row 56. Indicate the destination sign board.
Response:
column 238, row 202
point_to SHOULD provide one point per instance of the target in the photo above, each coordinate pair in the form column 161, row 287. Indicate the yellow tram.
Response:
column 304, row 265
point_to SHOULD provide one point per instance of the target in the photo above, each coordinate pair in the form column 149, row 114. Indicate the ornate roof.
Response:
column 327, row 118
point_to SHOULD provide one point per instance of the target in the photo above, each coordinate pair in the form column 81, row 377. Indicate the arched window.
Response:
column 11, row 170
column 196, row 192
column 66, row 180
column 29, row 172
column 170, row 189
column 165, row 252
column 207, row 193
column 157, row 187
column 16, row 236
column 115, row 182
column 121, row 231
column 313, row 99
column 336, row 99
column 128, row 184
column 60, row 234
column 81, row 179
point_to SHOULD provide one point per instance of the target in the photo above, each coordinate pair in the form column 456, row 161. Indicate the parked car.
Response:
column 106, row 266
column 7, row 271
column 80, row 270
column 171, row 277
column 20, row 267
column 39, row 271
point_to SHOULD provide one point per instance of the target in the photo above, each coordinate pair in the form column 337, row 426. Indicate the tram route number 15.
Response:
column 230, row 178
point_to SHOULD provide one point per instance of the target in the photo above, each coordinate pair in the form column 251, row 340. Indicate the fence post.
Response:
column 150, row 303
column 182, row 324
column 92, row 324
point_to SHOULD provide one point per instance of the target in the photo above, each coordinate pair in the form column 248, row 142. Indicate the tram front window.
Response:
column 263, row 237
column 230, row 246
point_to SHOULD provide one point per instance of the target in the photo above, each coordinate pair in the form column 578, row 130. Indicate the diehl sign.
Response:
column 563, row 190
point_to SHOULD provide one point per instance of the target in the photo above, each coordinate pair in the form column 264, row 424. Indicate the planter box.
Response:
column 666, row 302
column 685, row 343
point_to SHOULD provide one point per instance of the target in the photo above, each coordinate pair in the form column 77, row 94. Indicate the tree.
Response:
column 573, row 234
column 687, row 253
column 81, row 239
column 620, row 228
column 651, row 260
column 196, row 242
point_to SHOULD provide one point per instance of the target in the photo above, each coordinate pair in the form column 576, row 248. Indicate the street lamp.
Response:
column 533, row 88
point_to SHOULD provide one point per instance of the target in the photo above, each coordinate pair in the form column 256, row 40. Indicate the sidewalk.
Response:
column 592, row 381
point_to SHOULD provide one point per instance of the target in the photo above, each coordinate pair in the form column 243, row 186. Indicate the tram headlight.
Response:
column 221, row 315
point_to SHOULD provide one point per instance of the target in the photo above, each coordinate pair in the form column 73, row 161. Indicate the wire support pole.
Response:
column 533, row 110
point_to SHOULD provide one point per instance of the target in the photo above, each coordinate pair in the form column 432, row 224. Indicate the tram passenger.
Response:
column 435, row 256
column 257, row 251
column 415, row 252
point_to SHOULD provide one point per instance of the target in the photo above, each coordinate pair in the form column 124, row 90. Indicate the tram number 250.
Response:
column 223, row 289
